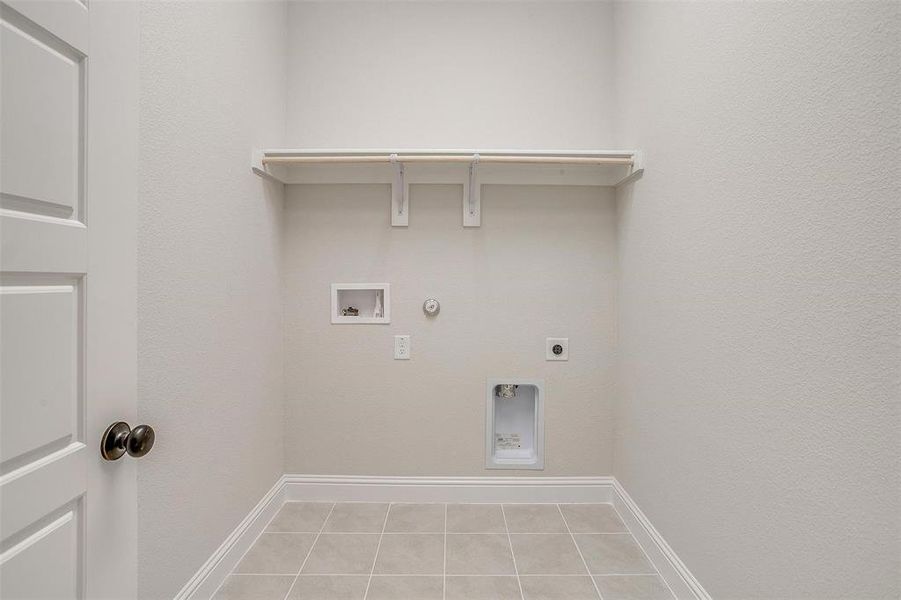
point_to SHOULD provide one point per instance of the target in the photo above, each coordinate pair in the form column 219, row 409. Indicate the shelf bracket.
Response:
column 257, row 166
column 400, row 208
column 472, row 196
column 637, row 169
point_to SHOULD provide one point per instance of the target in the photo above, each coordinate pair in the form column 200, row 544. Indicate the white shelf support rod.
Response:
column 400, row 210
column 472, row 205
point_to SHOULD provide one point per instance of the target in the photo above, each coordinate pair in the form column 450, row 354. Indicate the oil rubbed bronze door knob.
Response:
column 119, row 438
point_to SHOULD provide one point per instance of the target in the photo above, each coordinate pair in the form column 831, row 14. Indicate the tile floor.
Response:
column 352, row 550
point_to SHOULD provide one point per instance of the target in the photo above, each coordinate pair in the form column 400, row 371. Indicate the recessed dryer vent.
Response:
column 514, row 424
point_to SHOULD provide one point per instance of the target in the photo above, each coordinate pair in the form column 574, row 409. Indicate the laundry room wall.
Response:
column 210, row 362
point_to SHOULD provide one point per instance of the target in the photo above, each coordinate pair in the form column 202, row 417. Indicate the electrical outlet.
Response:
column 402, row 347
column 557, row 349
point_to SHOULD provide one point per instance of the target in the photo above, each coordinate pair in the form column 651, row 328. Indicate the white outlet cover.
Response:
column 402, row 347
column 549, row 348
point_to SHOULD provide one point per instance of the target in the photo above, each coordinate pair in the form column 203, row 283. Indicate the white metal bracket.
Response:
column 472, row 196
column 400, row 207
column 637, row 169
column 257, row 166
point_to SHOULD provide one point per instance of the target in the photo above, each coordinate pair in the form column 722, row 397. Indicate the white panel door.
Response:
column 68, row 147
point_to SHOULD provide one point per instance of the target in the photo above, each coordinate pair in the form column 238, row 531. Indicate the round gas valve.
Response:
column 431, row 307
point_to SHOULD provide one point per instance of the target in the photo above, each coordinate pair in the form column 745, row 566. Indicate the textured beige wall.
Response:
column 542, row 265
column 429, row 74
column 209, row 278
column 758, row 418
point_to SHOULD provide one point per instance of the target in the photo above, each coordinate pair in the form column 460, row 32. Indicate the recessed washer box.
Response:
column 514, row 426
column 361, row 303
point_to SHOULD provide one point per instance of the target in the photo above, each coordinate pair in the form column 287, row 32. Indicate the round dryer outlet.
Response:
column 557, row 349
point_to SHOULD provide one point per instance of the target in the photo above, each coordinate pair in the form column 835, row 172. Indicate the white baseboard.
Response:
column 672, row 569
column 328, row 488
column 313, row 488
column 210, row 576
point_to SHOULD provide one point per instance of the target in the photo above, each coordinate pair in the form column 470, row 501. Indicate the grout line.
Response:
column 512, row 553
column 532, row 533
column 389, row 533
column 310, row 551
column 377, row 548
column 444, row 582
column 262, row 575
column 375, row 575
column 478, row 532
column 627, row 575
column 579, row 550
column 656, row 570
column 372, row 532
column 317, row 501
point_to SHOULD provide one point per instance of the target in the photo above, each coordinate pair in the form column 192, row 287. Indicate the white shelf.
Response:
column 470, row 168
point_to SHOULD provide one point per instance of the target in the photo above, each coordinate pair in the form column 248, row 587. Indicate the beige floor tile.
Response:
column 633, row 587
column 546, row 554
column 558, row 588
column 300, row 517
column 356, row 517
column 616, row 553
column 276, row 553
column 461, row 587
column 593, row 518
column 329, row 587
column 254, row 587
column 386, row 587
column 414, row 553
column 342, row 554
column 479, row 554
column 475, row 518
column 411, row 554
column 534, row 518
column 415, row 518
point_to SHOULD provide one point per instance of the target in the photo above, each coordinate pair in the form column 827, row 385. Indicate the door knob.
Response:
column 119, row 438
